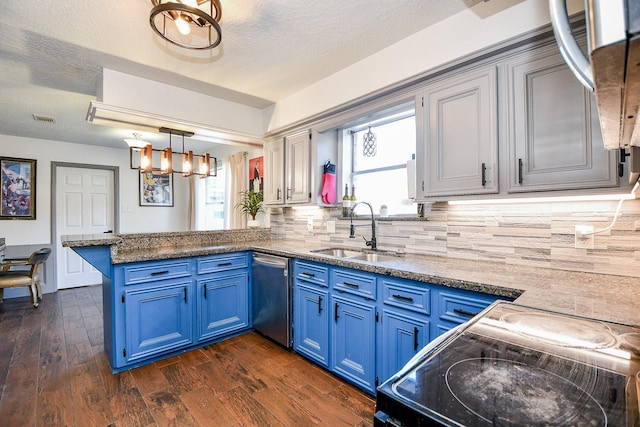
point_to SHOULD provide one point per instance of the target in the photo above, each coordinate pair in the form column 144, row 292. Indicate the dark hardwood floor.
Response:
column 54, row 372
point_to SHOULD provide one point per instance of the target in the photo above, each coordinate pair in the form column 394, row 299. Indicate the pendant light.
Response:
column 188, row 166
column 204, row 165
column 187, row 163
column 146, row 159
column 166, row 161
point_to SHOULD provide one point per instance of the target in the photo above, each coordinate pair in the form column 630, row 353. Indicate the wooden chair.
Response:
column 16, row 272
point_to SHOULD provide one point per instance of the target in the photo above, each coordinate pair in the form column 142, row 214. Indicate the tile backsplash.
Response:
column 532, row 234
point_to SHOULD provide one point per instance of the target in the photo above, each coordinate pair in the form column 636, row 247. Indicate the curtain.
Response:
column 237, row 182
column 192, row 204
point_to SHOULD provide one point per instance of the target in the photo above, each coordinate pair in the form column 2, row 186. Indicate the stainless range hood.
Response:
column 612, row 68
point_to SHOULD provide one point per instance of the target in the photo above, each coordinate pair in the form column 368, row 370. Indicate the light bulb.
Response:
column 192, row 3
column 187, row 163
column 183, row 26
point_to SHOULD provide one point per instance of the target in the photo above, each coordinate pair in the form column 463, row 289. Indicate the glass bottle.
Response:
column 346, row 202
column 353, row 199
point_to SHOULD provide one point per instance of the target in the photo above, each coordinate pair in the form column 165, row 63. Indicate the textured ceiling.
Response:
column 52, row 53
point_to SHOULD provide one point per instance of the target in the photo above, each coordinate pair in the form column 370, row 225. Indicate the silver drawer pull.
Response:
column 224, row 264
column 402, row 298
column 310, row 275
column 351, row 285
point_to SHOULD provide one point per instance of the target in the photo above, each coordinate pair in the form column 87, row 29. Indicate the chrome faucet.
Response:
column 352, row 228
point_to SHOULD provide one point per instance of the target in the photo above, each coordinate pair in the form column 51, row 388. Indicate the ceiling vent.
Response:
column 43, row 119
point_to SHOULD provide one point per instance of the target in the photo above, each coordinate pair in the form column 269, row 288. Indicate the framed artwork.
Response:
column 18, row 198
column 256, row 174
column 156, row 189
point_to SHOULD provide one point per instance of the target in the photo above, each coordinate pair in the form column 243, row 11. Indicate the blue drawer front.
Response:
column 216, row 263
column 356, row 283
column 311, row 273
column 458, row 307
column 407, row 295
column 151, row 272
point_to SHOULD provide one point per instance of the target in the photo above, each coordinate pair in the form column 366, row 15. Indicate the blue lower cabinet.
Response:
column 155, row 309
column 403, row 335
column 222, row 305
column 311, row 323
column 353, row 340
column 158, row 319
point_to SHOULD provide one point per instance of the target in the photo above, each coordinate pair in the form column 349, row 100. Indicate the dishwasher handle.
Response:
column 271, row 261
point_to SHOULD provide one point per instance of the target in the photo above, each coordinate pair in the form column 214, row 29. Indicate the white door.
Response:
column 84, row 205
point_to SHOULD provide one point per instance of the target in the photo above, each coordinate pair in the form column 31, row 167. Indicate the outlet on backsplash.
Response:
column 331, row 226
column 309, row 224
column 584, row 237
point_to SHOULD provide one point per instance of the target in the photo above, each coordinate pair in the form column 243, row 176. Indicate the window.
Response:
column 382, row 178
column 211, row 200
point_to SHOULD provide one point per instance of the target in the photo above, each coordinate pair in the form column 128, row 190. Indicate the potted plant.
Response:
column 251, row 204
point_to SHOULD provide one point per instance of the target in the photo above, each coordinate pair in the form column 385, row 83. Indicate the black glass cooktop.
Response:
column 518, row 366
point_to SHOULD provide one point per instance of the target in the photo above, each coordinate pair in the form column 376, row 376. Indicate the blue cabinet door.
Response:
column 158, row 319
column 353, row 340
column 311, row 323
column 223, row 304
column 403, row 335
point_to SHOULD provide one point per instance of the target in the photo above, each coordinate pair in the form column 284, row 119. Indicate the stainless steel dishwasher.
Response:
column 272, row 298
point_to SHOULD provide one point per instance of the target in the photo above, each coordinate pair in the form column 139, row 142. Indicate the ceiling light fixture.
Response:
column 136, row 141
column 192, row 24
column 205, row 162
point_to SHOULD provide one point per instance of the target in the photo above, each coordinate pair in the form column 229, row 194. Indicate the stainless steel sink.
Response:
column 372, row 257
column 337, row 252
column 354, row 254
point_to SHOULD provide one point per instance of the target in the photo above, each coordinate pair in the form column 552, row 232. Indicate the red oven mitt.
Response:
column 329, row 183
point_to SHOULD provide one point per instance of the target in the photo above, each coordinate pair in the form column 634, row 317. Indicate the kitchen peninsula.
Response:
column 125, row 258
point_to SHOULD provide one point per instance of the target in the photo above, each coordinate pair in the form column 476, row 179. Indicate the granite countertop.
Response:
column 598, row 296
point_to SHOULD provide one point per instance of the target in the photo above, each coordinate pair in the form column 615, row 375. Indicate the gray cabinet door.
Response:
column 555, row 138
column 274, row 190
column 297, row 175
column 458, row 135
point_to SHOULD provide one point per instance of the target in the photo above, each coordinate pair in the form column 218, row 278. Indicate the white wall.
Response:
column 146, row 95
column 133, row 218
column 464, row 33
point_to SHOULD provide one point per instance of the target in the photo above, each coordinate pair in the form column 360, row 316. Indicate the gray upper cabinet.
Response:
column 458, row 135
column 554, row 140
column 287, row 163
column 297, row 158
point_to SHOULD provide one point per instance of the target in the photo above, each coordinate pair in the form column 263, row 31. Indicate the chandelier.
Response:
column 165, row 158
column 192, row 24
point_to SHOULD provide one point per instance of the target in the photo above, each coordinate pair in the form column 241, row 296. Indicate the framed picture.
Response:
column 18, row 198
column 156, row 189
column 256, row 174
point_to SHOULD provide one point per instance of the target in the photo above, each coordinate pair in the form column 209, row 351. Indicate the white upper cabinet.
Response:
column 274, row 189
column 297, row 158
column 555, row 141
column 458, row 135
